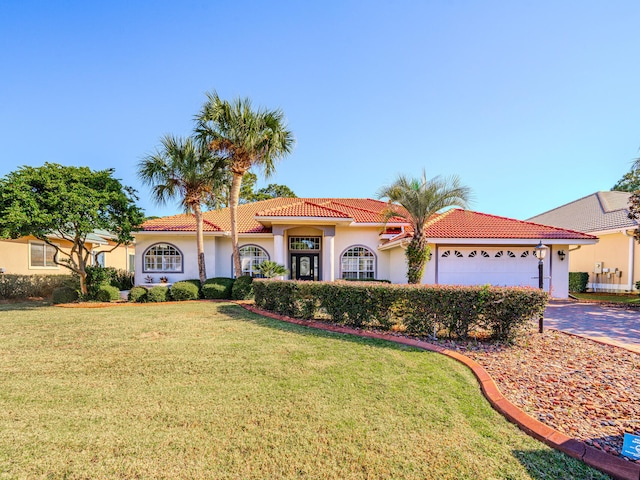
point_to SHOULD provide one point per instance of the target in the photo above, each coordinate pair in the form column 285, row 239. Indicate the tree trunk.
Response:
column 417, row 253
column 234, row 197
column 202, row 269
column 82, row 272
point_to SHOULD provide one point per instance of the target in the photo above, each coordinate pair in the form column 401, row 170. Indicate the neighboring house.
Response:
column 334, row 238
column 613, row 263
column 30, row 256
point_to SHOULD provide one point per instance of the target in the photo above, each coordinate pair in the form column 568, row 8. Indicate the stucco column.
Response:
column 278, row 249
column 329, row 255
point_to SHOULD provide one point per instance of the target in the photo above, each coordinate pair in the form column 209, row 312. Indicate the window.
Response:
column 98, row 259
column 250, row 257
column 42, row 255
column 304, row 243
column 132, row 262
column 359, row 263
column 162, row 257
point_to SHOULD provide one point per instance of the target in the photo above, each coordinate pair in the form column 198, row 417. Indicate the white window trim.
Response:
column 369, row 249
column 249, row 245
column 46, row 245
column 144, row 255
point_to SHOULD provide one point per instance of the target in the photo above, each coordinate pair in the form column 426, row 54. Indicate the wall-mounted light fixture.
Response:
column 561, row 254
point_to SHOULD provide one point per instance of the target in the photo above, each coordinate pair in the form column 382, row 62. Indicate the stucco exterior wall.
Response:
column 613, row 252
column 186, row 244
column 364, row 236
column 15, row 254
column 559, row 281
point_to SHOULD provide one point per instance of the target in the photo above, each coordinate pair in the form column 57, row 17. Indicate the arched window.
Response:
column 359, row 263
column 250, row 257
column 162, row 257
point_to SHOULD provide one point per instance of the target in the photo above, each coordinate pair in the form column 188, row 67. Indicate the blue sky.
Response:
column 532, row 104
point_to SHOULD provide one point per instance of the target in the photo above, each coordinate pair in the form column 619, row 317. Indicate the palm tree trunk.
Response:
column 234, row 197
column 202, row 269
column 417, row 253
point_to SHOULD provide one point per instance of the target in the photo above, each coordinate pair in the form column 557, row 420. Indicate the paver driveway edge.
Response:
column 609, row 464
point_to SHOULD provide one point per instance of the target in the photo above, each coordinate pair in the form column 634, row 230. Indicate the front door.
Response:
column 305, row 266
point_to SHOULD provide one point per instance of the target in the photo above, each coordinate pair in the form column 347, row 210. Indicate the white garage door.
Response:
column 500, row 266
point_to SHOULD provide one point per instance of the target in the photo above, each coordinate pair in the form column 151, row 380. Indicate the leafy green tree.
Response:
column 184, row 169
column 420, row 198
column 273, row 190
column 248, row 192
column 247, row 138
column 59, row 202
column 630, row 181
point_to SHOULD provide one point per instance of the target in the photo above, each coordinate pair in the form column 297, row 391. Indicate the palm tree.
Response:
column 247, row 138
column 182, row 168
column 420, row 199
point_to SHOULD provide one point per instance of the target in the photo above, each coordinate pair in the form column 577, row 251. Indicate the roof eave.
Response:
column 513, row 241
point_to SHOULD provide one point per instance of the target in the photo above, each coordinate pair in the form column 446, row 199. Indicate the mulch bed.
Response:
column 584, row 389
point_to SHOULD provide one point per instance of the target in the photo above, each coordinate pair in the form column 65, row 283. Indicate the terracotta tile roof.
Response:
column 454, row 223
column 596, row 212
column 303, row 208
column 177, row 223
column 361, row 210
column 457, row 223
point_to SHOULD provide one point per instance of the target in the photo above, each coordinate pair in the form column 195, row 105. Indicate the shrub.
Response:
column 158, row 294
column 242, row 288
column 137, row 294
column 64, row 295
column 108, row 293
column 578, row 282
column 271, row 269
column 218, row 288
column 185, row 291
column 25, row 286
column 122, row 279
column 416, row 309
column 97, row 277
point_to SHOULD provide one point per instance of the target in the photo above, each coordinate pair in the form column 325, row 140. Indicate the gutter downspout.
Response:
column 632, row 252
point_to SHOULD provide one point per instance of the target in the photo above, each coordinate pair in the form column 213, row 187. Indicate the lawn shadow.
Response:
column 23, row 305
column 238, row 313
column 559, row 466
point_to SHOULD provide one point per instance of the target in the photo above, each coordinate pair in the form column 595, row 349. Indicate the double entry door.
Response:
column 305, row 266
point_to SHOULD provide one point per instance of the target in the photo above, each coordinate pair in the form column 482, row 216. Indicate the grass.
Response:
column 207, row 390
column 609, row 297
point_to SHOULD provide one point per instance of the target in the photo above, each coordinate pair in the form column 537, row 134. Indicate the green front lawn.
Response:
column 609, row 297
column 207, row 390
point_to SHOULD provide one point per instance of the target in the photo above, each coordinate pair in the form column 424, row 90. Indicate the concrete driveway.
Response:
column 616, row 326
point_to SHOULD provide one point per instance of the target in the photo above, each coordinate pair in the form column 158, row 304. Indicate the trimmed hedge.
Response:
column 64, row 295
column 25, row 286
column 137, row 294
column 108, row 293
column 578, row 282
column 218, row 288
column 186, row 290
column 415, row 309
column 242, row 288
column 158, row 294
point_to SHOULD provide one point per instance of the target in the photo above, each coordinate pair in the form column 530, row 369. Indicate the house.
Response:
column 613, row 263
column 335, row 238
column 30, row 256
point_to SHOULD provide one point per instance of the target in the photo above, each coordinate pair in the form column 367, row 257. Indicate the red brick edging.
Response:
column 615, row 466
